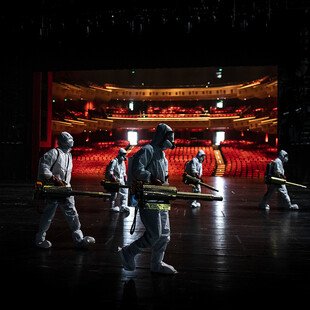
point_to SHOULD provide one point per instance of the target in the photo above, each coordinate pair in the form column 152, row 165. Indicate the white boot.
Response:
column 45, row 244
column 41, row 242
column 195, row 204
column 264, row 207
column 85, row 243
column 157, row 264
column 115, row 209
column 164, row 268
column 124, row 209
column 294, row 207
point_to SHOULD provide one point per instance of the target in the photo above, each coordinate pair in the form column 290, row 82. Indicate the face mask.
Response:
column 70, row 143
column 201, row 159
column 168, row 145
column 66, row 143
column 121, row 158
column 169, row 142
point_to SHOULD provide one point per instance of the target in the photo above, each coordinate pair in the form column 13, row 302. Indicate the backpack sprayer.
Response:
column 188, row 179
column 158, row 192
column 145, row 191
column 51, row 191
column 279, row 181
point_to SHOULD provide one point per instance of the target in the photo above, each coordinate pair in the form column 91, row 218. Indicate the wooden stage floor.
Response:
column 228, row 253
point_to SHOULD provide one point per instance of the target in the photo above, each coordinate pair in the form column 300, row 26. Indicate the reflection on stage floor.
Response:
column 224, row 251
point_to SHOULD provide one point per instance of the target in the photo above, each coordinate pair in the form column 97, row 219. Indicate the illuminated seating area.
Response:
column 242, row 158
column 245, row 159
column 93, row 160
column 191, row 118
column 180, row 155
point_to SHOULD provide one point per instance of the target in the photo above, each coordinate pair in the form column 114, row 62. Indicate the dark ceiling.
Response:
column 166, row 77
column 79, row 35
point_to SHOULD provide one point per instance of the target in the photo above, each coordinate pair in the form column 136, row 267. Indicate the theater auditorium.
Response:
column 230, row 78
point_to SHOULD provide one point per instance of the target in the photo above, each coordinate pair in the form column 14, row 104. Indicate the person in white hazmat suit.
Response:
column 278, row 171
column 149, row 166
column 116, row 172
column 194, row 169
column 55, row 167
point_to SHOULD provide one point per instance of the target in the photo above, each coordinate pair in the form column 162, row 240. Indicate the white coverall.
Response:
column 59, row 165
column 150, row 164
column 278, row 171
column 194, row 168
column 117, row 172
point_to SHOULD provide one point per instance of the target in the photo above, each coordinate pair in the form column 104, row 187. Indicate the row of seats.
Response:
column 178, row 157
column 93, row 161
column 240, row 162
column 166, row 115
column 244, row 162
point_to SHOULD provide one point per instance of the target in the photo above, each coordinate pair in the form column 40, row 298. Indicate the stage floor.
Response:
column 225, row 252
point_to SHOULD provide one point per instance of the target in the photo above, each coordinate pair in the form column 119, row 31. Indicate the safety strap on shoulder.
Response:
column 133, row 225
column 55, row 160
column 151, row 158
column 186, row 163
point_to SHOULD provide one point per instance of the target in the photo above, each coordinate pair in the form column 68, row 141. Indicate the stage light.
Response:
column 219, row 73
column 131, row 106
column 132, row 137
column 219, row 104
column 219, row 137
